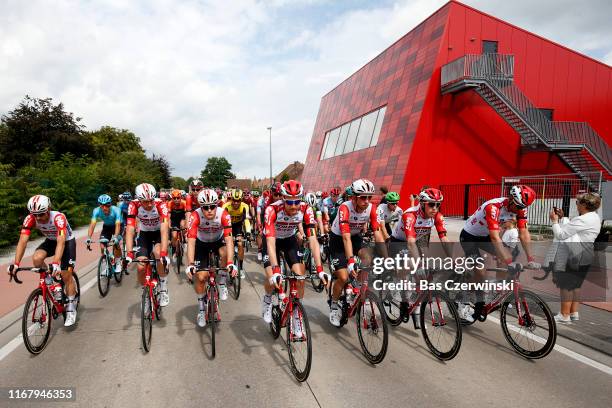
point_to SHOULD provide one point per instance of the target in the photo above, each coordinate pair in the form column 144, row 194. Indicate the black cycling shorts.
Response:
column 146, row 241
column 472, row 244
column 203, row 251
column 237, row 229
column 107, row 231
column 176, row 218
column 288, row 247
column 336, row 248
column 69, row 255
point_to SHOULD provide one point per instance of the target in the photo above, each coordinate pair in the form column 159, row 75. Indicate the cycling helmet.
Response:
column 334, row 191
column 362, row 187
column 39, row 204
column 104, row 199
column 319, row 194
column 176, row 194
column 292, row 188
column 324, row 195
column 255, row 193
column 392, row 197
column 276, row 188
column 208, row 197
column 523, row 196
column 145, row 192
column 126, row 196
column 236, row 194
column 196, row 185
column 349, row 191
column 311, row 199
column 431, row 195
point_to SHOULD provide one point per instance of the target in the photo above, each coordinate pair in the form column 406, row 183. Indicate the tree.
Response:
column 217, row 172
column 109, row 141
column 179, row 182
column 37, row 124
column 164, row 169
column 284, row 177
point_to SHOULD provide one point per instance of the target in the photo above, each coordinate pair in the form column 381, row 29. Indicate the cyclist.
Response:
column 274, row 195
column 240, row 214
column 152, row 216
column 311, row 200
column 389, row 213
column 110, row 216
column 59, row 243
column 210, row 230
column 281, row 225
column 164, row 196
column 481, row 231
column 191, row 202
column 177, row 209
column 124, row 204
column 345, row 239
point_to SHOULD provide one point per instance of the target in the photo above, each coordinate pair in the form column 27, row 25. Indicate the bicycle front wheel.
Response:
column 372, row 328
column 440, row 326
column 298, row 341
column 36, row 322
column 146, row 319
column 534, row 335
column 103, row 276
column 212, row 318
column 236, row 281
column 391, row 300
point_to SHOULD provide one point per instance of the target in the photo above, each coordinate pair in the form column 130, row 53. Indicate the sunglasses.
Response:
column 40, row 215
column 146, row 202
column 365, row 197
column 106, row 205
column 176, row 198
column 209, row 207
column 434, row 205
column 293, row 202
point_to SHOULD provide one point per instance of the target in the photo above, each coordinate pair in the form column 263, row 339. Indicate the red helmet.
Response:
column 276, row 188
column 292, row 188
column 324, row 195
column 334, row 191
column 431, row 195
column 523, row 196
column 266, row 193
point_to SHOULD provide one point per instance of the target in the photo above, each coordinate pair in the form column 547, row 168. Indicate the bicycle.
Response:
column 527, row 313
column 358, row 300
column 442, row 330
column 213, row 316
column 49, row 300
column 315, row 280
column 150, row 308
column 105, row 268
column 284, row 311
column 176, row 255
column 235, row 282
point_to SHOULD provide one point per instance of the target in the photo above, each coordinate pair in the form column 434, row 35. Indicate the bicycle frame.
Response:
column 46, row 289
column 501, row 295
column 288, row 300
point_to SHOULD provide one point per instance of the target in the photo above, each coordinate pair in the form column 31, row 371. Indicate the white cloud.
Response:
column 195, row 79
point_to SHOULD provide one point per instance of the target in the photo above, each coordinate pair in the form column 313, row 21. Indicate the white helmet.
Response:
column 319, row 194
column 39, row 204
column 362, row 187
column 145, row 192
column 207, row 197
column 311, row 199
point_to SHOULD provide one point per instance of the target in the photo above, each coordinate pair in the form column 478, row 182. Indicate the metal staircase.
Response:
column 491, row 76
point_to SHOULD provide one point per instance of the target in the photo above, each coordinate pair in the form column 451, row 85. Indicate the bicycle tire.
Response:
column 299, row 373
column 236, row 282
column 373, row 301
column 275, row 324
column 36, row 295
column 442, row 355
column 551, row 328
column 179, row 258
column 119, row 276
column 103, row 277
column 391, row 308
column 146, row 319
column 212, row 321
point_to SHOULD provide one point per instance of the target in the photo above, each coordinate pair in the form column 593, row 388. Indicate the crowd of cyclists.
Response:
column 281, row 220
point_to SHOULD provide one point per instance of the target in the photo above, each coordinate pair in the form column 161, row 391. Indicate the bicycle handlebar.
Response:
column 13, row 274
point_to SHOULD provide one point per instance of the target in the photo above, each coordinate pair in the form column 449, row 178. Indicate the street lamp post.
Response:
column 270, row 130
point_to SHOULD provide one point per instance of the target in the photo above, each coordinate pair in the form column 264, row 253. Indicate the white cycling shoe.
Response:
column 266, row 311
column 164, row 298
column 70, row 319
column 334, row 317
column 465, row 312
column 223, row 292
column 201, row 319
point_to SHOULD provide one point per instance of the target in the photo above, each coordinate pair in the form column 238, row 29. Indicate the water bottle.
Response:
column 283, row 300
column 57, row 292
column 349, row 293
column 49, row 280
column 274, row 299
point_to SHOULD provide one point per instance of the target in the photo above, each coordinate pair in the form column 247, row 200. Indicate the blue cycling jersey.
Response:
column 114, row 215
column 123, row 206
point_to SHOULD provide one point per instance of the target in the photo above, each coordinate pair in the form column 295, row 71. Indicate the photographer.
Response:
column 575, row 253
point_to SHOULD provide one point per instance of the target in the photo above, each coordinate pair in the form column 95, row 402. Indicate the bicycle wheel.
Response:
column 372, row 328
column 119, row 276
column 536, row 335
column 235, row 282
column 179, row 258
column 212, row 318
column 275, row 324
column 441, row 326
column 146, row 319
column 36, row 322
column 298, row 341
column 103, row 276
column 391, row 306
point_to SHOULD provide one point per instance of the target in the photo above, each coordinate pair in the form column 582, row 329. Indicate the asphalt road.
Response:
column 101, row 357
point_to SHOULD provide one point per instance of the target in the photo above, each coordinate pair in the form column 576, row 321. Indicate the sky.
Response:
column 195, row 79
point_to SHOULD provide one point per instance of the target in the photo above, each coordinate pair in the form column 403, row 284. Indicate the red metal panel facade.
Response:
column 431, row 139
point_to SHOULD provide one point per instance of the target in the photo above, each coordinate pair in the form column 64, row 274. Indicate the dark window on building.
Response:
column 489, row 47
column 548, row 113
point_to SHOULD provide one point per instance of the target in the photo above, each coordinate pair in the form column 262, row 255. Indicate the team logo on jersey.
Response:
column 59, row 221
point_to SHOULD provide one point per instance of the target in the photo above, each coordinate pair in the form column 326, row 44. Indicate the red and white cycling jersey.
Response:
column 413, row 224
column 350, row 221
column 488, row 215
column 281, row 225
column 148, row 220
column 209, row 230
column 56, row 226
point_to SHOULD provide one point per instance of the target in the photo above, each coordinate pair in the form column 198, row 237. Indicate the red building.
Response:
column 464, row 97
